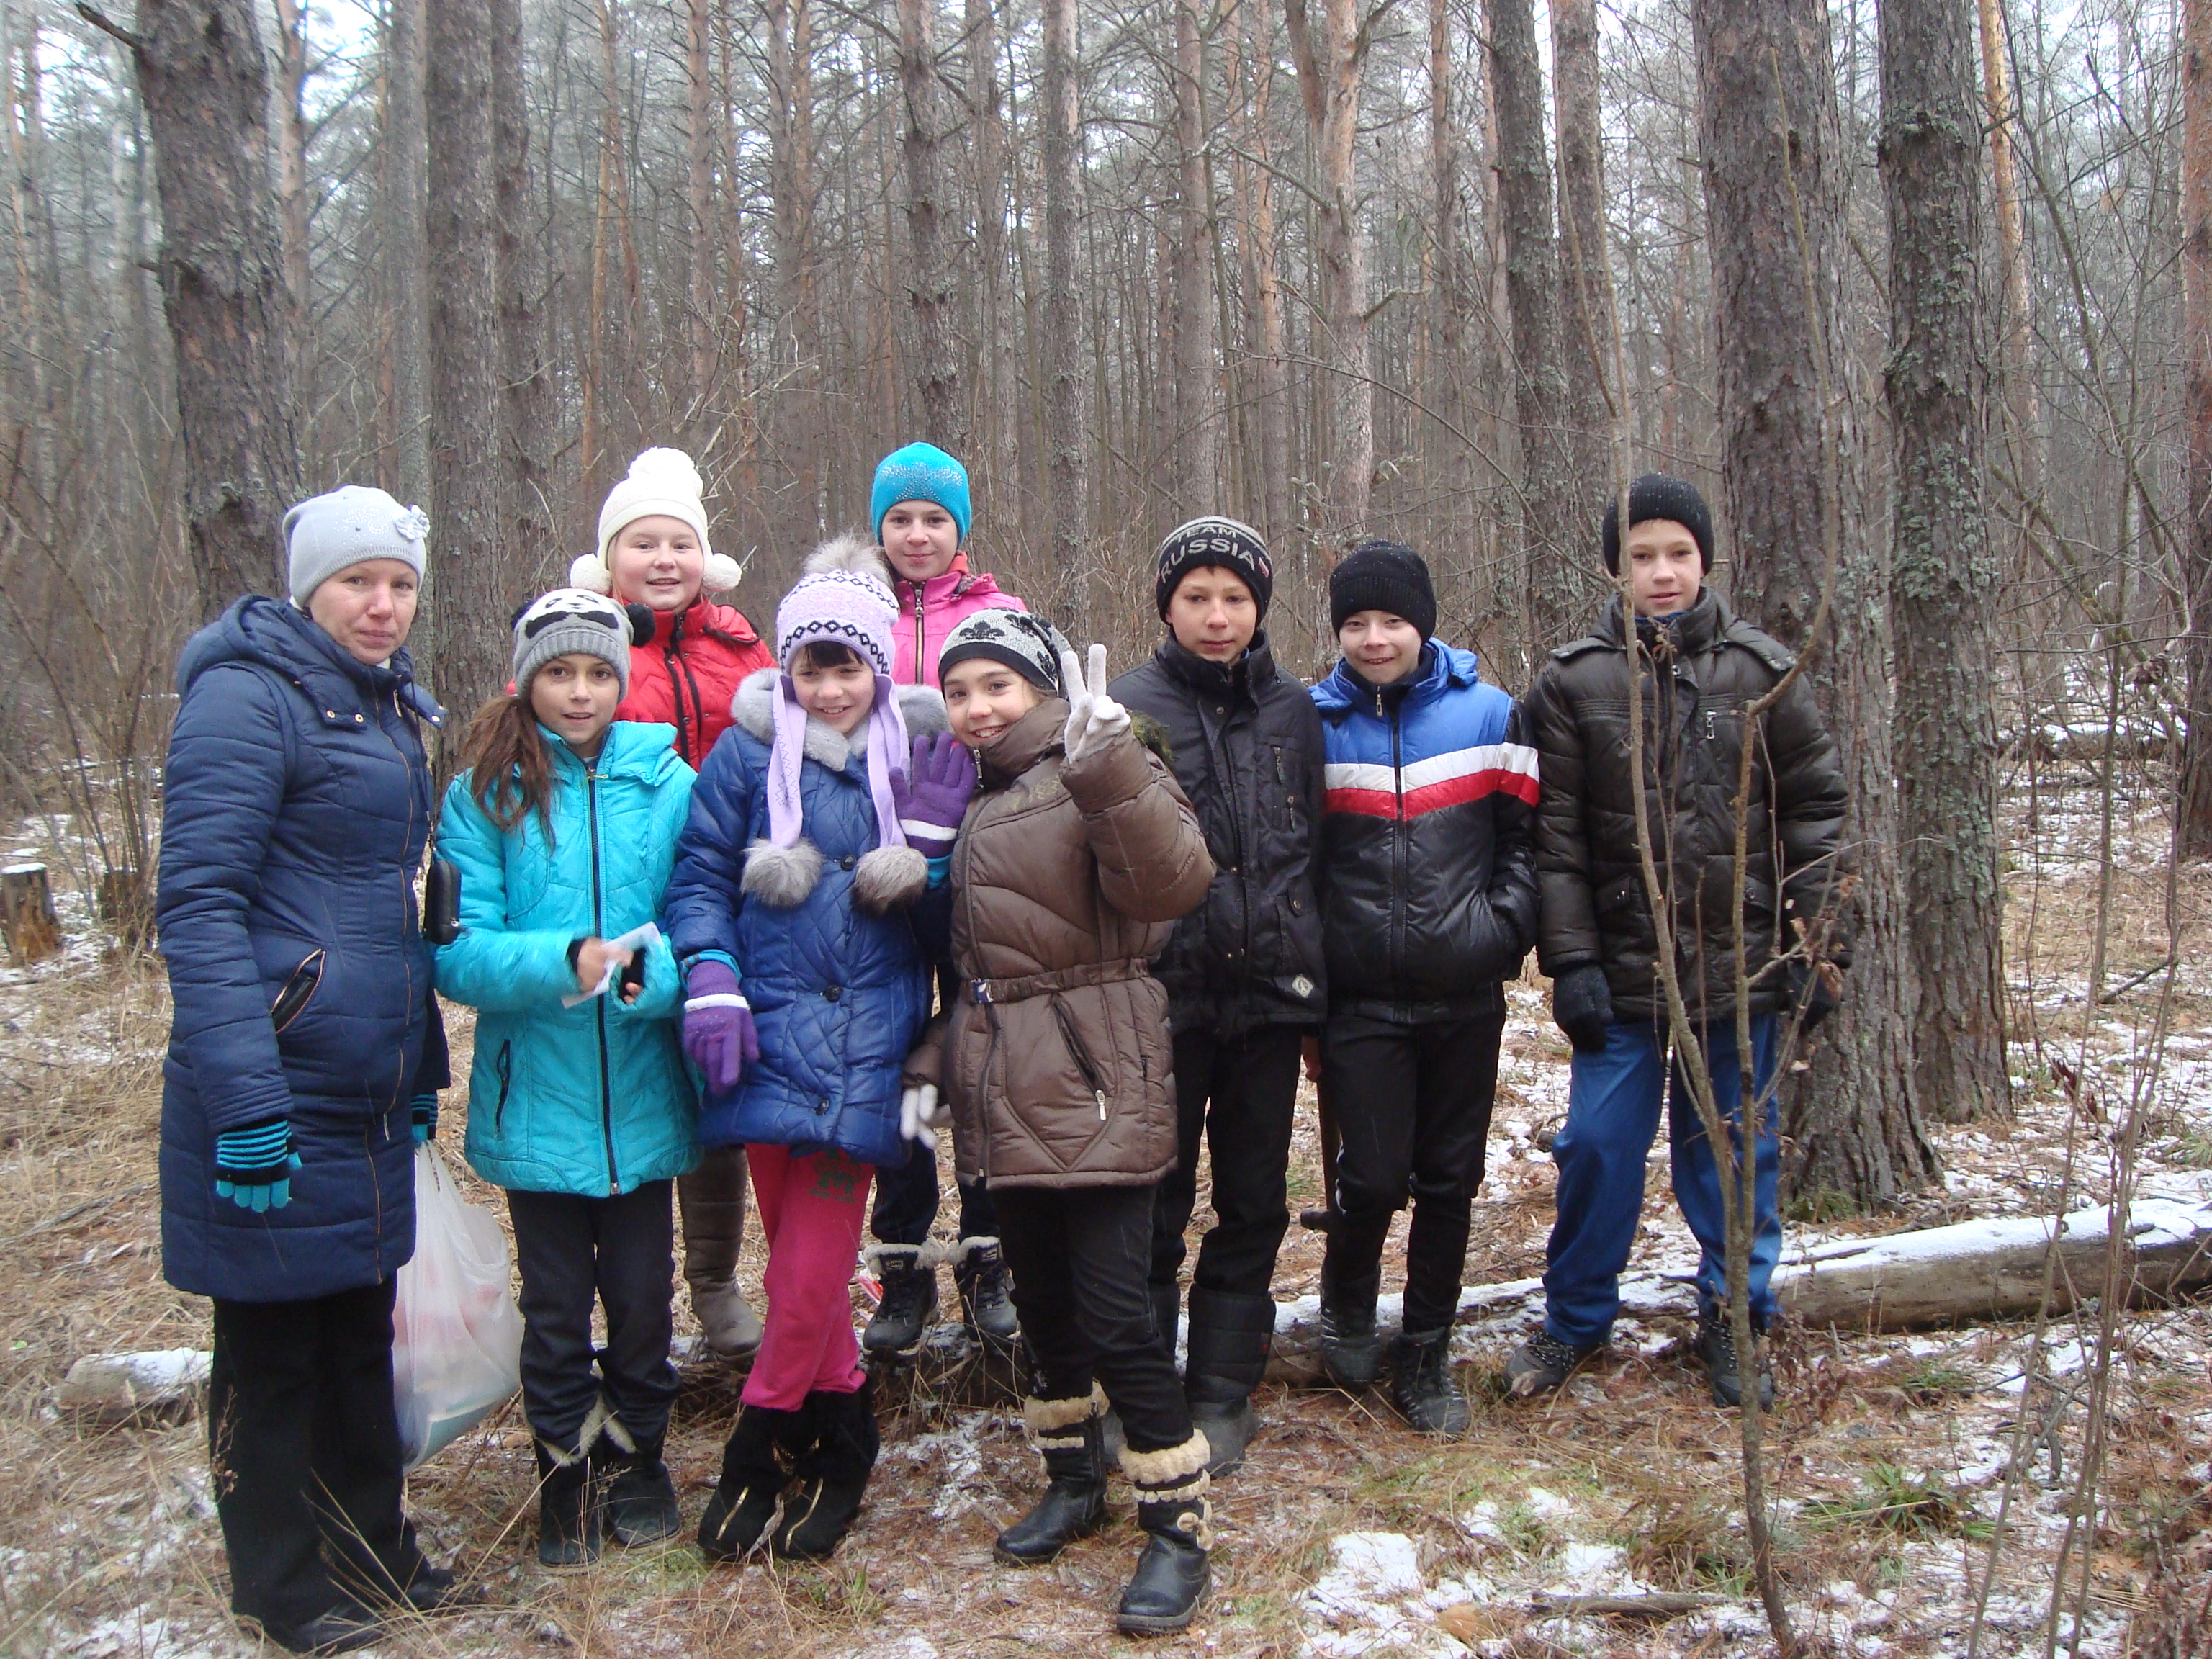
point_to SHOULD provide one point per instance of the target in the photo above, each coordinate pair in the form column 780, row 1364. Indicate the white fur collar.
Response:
column 754, row 708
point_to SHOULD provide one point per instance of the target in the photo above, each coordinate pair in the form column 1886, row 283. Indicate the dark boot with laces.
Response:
column 909, row 1301
column 986, row 1292
column 1716, row 1347
column 1543, row 1363
column 1070, row 1434
column 1422, row 1386
column 1351, row 1352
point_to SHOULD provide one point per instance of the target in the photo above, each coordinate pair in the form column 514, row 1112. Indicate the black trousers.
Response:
column 1079, row 1257
column 619, row 1251
column 906, row 1194
column 1239, row 1094
column 305, row 1445
column 1412, row 1104
column 906, row 1201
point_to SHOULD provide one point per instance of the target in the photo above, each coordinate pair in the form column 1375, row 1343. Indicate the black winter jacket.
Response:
column 1595, row 908
column 1428, row 870
column 1247, row 752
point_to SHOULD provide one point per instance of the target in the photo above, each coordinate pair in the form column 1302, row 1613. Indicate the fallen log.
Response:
column 1974, row 1270
column 1660, row 1605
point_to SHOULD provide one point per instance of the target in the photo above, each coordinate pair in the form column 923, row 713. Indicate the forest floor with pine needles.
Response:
column 1891, row 1457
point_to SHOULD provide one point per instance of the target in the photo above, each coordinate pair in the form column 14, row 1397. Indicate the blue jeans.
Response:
column 1613, row 1113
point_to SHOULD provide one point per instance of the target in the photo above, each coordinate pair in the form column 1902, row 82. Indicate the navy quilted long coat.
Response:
column 296, row 805
column 839, row 995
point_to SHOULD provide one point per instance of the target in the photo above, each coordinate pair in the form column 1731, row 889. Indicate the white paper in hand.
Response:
column 636, row 939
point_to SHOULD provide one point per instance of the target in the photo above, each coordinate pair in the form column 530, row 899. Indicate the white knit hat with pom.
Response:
column 661, row 482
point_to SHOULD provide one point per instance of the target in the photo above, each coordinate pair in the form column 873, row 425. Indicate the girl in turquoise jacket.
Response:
column 564, row 830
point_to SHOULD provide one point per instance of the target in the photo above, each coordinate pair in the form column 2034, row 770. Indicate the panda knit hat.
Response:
column 576, row 620
column 661, row 483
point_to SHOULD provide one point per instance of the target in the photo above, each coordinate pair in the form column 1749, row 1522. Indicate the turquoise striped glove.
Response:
column 253, row 1165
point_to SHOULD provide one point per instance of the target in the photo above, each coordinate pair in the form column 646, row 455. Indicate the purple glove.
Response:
column 718, row 1034
column 932, row 796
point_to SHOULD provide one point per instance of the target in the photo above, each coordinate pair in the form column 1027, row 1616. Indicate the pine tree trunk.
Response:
column 992, row 425
column 292, row 158
column 1768, row 133
column 1065, row 429
column 1586, row 323
column 1944, row 580
column 1449, row 307
column 205, row 84
column 1549, row 489
column 930, row 285
column 1330, row 67
column 1263, row 278
column 2196, row 807
column 406, row 154
column 798, row 334
column 700, row 242
column 1195, row 452
column 532, row 557
column 464, row 597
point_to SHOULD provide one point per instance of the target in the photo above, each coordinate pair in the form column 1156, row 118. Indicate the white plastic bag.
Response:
column 456, row 1336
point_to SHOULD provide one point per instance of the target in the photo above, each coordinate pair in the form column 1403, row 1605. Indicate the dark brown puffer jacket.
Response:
column 1057, row 1061
column 1708, row 666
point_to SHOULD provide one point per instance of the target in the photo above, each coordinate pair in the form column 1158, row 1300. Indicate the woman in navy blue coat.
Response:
column 305, row 1057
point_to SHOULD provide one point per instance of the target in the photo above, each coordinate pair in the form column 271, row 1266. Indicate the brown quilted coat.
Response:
column 1057, row 1059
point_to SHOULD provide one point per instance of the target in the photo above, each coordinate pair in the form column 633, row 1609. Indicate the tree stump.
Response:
column 27, row 913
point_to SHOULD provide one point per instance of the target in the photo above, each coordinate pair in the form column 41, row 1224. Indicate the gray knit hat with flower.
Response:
column 324, row 534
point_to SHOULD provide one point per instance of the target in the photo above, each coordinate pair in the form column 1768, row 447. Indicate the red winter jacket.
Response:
column 689, row 674
column 929, row 611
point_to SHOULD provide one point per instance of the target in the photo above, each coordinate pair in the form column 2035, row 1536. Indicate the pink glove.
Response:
column 718, row 1035
column 932, row 795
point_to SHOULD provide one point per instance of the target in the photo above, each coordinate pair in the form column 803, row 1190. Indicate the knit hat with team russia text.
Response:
column 1387, row 576
column 1659, row 495
column 1224, row 543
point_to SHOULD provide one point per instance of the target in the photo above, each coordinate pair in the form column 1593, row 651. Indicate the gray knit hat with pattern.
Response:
column 573, row 619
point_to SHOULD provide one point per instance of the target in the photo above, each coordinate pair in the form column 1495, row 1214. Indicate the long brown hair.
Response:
column 511, row 775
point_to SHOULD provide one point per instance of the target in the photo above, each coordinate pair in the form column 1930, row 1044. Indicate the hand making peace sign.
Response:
column 1094, row 719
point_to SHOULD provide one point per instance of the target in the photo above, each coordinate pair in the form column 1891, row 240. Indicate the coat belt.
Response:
column 1058, row 979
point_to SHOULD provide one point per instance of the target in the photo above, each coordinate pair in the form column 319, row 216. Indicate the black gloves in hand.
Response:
column 1817, row 990
column 1582, row 1006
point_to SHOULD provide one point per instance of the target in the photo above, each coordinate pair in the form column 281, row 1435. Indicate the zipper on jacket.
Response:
column 920, row 639
column 599, row 1004
column 1397, row 844
column 504, row 1068
column 1080, row 1054
column 961, row 850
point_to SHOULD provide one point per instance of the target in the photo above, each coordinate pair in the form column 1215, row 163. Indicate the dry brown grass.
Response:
column 108, row 1545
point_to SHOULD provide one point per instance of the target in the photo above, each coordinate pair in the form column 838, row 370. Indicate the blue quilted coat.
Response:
column 296, row 803
column 593, row 1100
column 839, row 993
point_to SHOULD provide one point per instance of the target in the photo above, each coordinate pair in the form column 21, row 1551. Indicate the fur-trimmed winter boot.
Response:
column 986, row 1292
column 763, row 1446
column 908, row 1273
column 1174, row 1510
column 832, row 1476
column 1070, row 1433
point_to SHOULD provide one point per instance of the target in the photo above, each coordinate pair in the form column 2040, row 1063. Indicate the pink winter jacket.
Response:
column 929, row 611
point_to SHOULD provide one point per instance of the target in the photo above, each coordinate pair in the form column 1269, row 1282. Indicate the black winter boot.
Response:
column 831, row 1478
column 1422, row 1386
column 756, row 1461
column 1173, row 1508
column 1716, row 1347
column 1351, row 1352
column 1229, row 1337
column 1071, row 1435
column 986, row 1292
column 640, row 1501
column 909, row 1303
column 569, row 1524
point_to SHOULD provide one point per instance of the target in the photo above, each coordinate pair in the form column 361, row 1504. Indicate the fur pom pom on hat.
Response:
column 661, row 483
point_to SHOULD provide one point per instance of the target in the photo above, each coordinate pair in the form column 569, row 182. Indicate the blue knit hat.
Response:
column 919, row 472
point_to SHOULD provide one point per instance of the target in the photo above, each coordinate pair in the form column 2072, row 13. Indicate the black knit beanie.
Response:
column 1659, row 495
column 1225, row 543
column 1382, row 576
